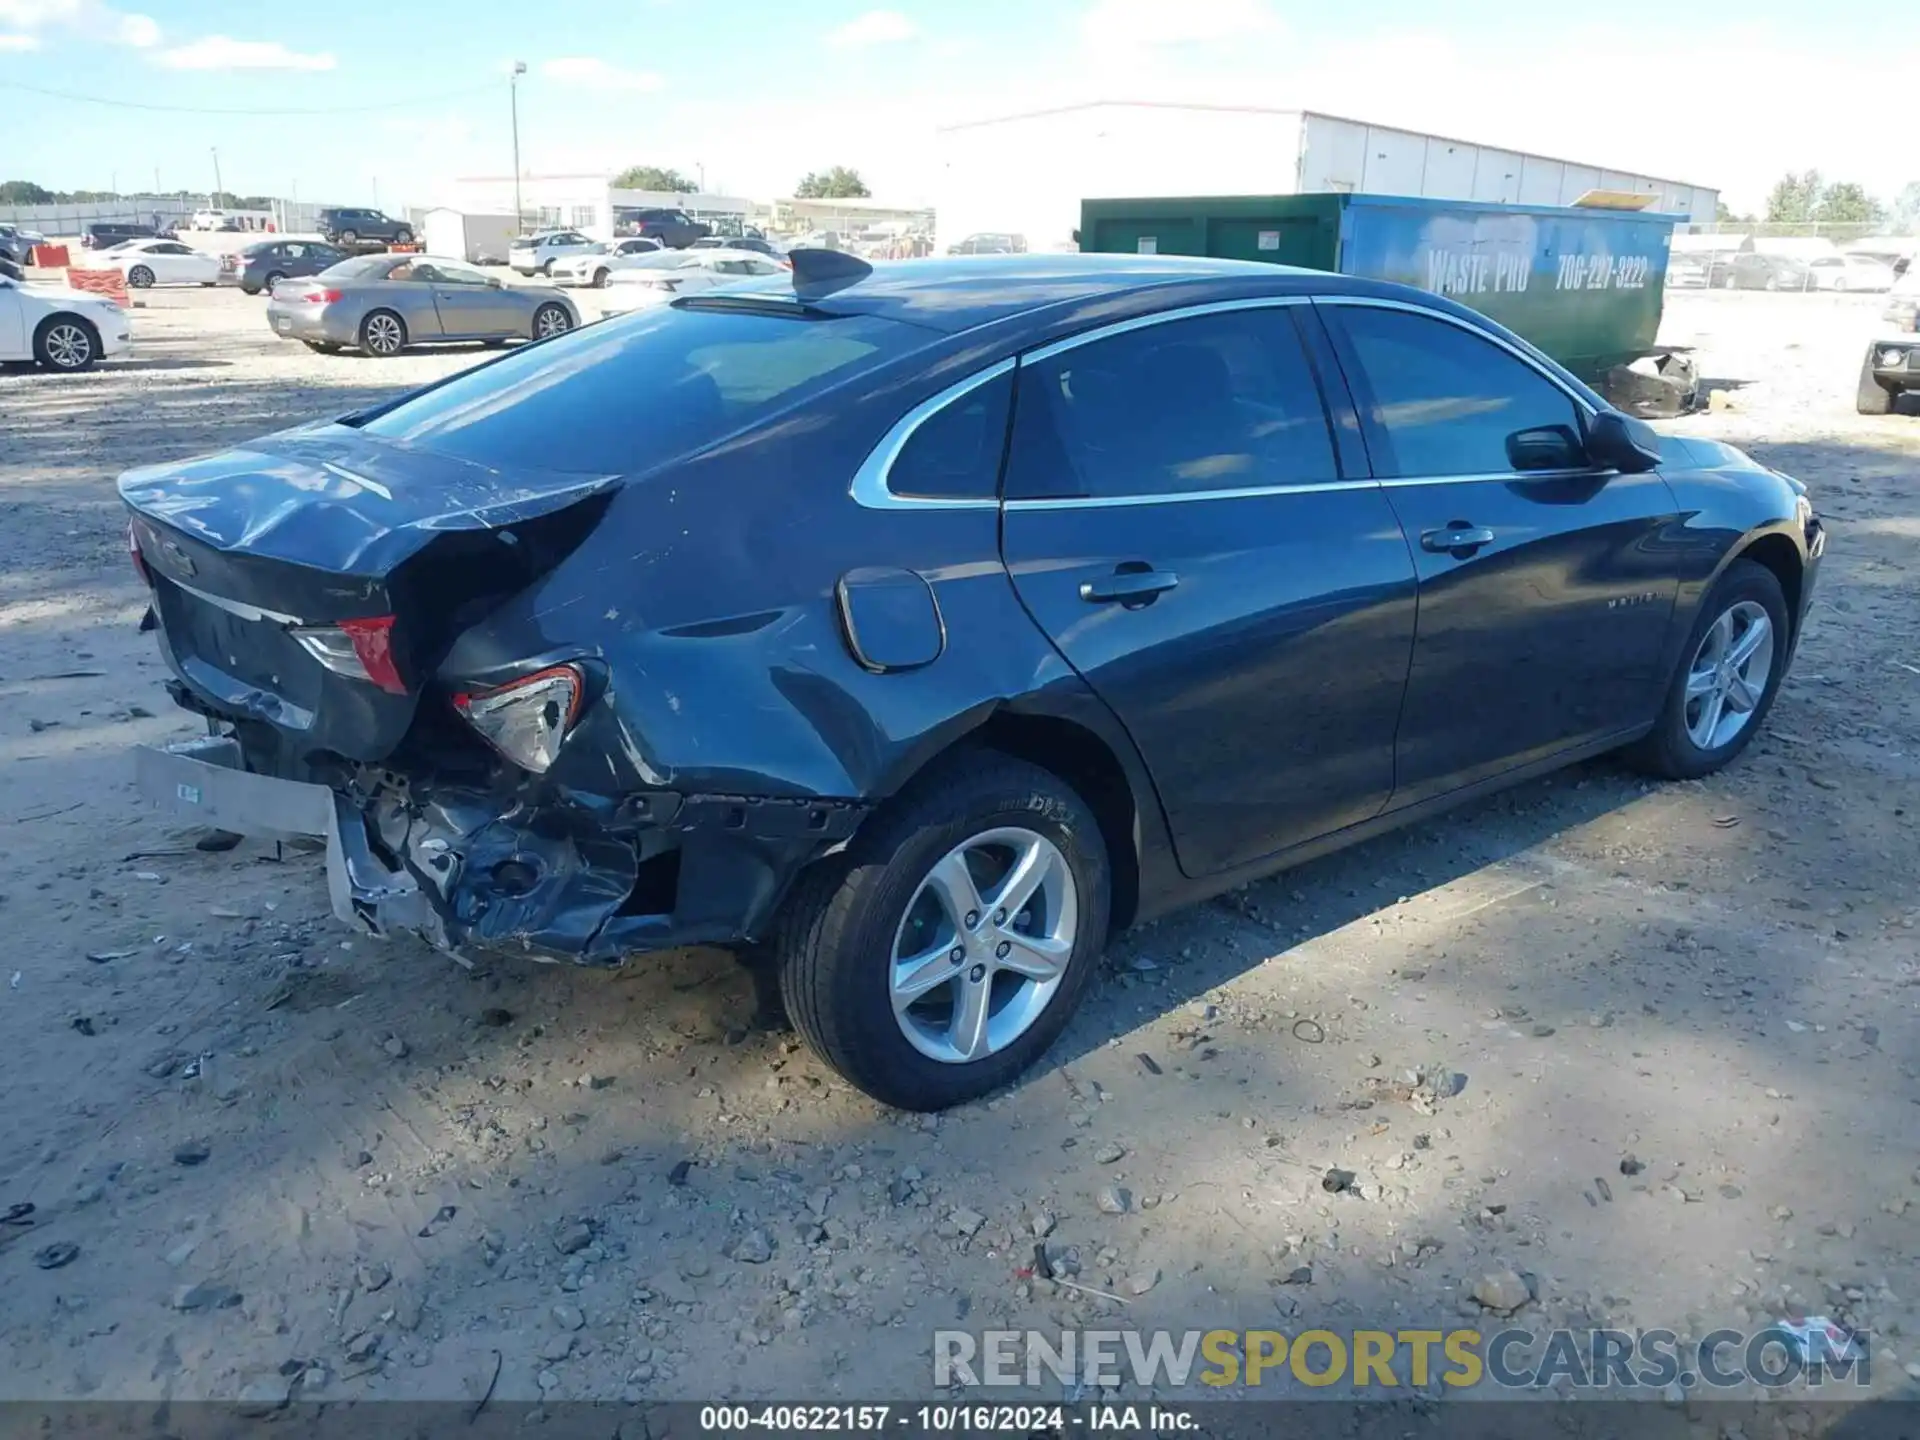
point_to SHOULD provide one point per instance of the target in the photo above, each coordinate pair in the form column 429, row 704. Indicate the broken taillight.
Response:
column 358, row 649
column 528, row 719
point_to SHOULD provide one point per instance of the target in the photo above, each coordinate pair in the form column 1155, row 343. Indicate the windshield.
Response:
column 627, row 395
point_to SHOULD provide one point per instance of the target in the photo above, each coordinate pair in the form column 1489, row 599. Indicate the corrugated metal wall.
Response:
column 1351, row 155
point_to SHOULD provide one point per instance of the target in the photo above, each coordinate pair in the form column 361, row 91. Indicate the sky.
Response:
column 752, row 94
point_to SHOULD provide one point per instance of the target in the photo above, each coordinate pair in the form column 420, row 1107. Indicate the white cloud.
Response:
column 89, row 19
column 876, row 27
column 592, row 73
column 19, row 42
column 223, row 52
column 1181, row 22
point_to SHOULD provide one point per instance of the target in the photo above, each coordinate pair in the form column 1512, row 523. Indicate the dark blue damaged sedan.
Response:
column 914, row 628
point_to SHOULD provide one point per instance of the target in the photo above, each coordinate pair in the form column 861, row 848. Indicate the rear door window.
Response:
column 1183, row 407
column 626, row 395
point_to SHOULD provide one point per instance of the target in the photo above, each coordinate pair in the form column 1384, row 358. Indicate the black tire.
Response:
column 403, row 236
column 321, row 347
column 273, row 278
column 1874, row 398
column 67, row 344
column 378, row 337
column 556, row 319
column 836, row 934
column 546, row 268
column 1668, row 751
column 600, row 279
column 349, row 237
column 139, row 277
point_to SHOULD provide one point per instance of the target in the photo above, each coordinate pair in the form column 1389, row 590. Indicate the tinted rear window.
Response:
column 628, row 394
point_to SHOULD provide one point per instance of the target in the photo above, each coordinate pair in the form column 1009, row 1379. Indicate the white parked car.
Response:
column 537, row 254
column 1850, row 272
column 597, row 264
column 61, row 329
column 207, row 220
column 686, row 272
column 162, row 262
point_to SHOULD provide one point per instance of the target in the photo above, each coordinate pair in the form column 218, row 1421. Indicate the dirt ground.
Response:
column 283, row 1151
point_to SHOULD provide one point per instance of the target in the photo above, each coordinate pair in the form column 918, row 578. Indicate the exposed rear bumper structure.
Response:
column 556, row 882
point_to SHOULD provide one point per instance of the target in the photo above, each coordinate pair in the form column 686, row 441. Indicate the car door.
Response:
column 408, row 289
column 13, row 322
column 1546, row 583
column 1180, row 521
column 472, row 307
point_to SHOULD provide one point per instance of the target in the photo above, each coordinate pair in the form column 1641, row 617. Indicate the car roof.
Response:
column 955, row 293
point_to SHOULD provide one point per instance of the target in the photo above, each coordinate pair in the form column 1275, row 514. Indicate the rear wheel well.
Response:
column 1778, row 554
column 1084, row 760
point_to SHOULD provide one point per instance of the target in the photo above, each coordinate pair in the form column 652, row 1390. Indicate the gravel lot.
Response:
column 273, row 1142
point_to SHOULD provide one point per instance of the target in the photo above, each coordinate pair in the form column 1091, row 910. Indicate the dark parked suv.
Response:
column 674, row 229
column 916, row 627
column 350, row 228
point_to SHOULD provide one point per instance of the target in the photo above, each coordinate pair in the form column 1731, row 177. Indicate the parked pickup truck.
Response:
column 1892, row 364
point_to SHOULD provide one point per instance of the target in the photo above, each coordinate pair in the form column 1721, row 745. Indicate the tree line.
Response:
column 838, row 183
column 1807, row 198
column 25, row 192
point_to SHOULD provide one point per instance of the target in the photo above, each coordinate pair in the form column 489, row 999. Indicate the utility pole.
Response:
column 213, row 200
column 700, row 166
column 513, row 100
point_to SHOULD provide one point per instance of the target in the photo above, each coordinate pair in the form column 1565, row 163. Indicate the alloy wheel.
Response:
column 68, row 346
column 984, row 945
column 551, row 320
column 383, row 335
column 1729, row 674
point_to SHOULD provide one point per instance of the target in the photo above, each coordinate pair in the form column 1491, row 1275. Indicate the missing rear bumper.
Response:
column 585, row 880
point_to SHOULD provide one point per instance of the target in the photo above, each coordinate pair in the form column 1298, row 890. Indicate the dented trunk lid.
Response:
column 324, row 524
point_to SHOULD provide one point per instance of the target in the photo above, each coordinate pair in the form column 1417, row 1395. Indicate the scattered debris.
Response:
column 1631, row 1166
column 1114, row 1200
column 194, row 1152
column 54, row 1256
column 439, row 1221
column 1337, row 1181
column 1502, row 1290
column 205, row 1296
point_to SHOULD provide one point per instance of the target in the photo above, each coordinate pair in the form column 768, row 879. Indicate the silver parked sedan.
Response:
column 383, row 303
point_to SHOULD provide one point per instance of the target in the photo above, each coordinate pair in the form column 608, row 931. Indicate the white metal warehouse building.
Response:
column 1026, row 174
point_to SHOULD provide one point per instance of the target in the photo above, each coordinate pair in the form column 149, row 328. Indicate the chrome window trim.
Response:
column 870, row 487
column 1161, row 317
column 1101, row 502
column 1380, row 303
column 871, row 490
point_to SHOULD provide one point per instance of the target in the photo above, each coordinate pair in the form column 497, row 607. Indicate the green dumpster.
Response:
column 1584, row 284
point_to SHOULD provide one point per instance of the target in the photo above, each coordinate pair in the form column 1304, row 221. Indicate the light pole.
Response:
column 700, row 166
column 513, row 101
column 213, row 200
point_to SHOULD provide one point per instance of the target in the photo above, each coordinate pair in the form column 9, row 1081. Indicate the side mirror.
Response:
column 1551, row 447
column 1620, row 442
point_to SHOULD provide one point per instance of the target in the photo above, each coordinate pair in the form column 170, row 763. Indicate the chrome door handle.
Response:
column 1132, row 588
column 1456, row 539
